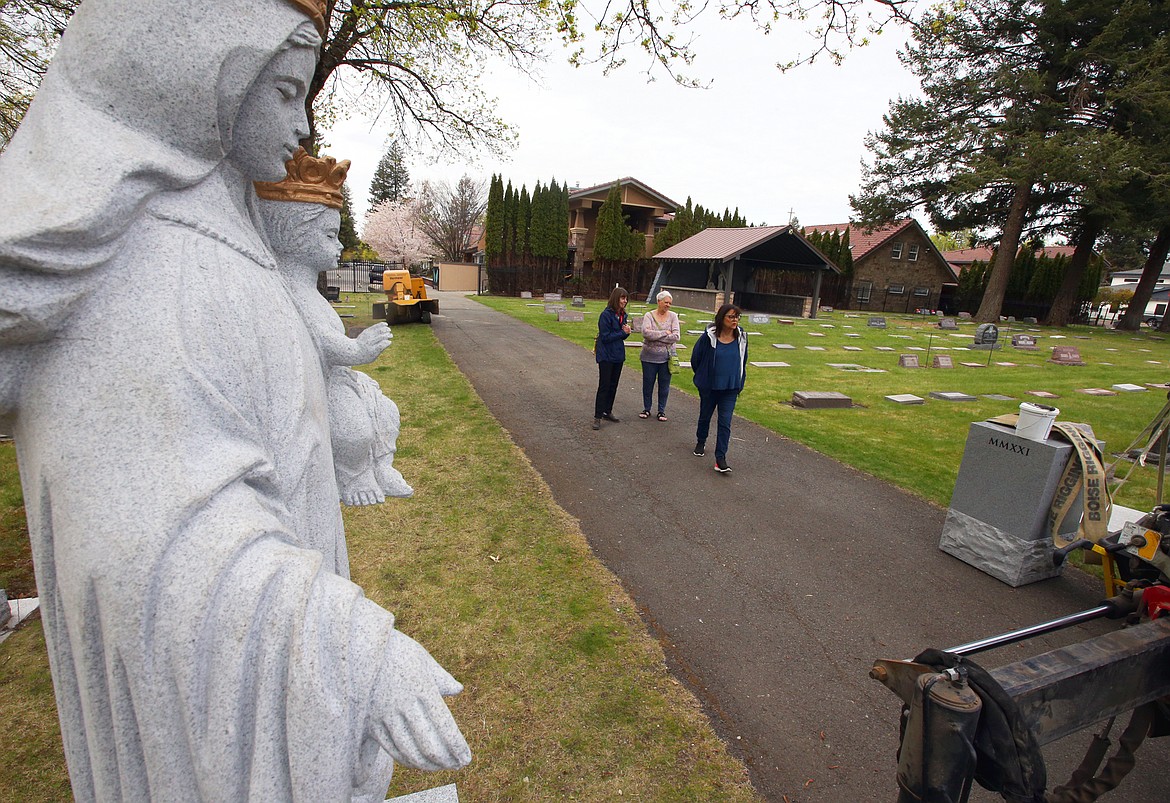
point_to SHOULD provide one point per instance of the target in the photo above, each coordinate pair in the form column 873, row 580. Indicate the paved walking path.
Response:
column 771, row 589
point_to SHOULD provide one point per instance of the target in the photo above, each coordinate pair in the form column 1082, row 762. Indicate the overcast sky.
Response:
column 768, row 142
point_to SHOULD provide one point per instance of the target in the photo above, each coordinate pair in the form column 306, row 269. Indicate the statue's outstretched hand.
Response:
column 407, row 714
column 374, row 340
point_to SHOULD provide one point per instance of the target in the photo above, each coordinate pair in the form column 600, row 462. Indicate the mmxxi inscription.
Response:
column 1018, row 448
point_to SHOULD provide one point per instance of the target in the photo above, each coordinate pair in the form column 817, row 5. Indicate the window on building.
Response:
column 896, row 251
column 863, row 291
column 921, row 292
column 896, row 289
column 912, row 252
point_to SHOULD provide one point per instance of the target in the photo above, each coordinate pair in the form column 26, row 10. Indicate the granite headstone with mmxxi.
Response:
column 998, row 516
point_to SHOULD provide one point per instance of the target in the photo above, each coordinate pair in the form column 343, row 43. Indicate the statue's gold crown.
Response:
column 310, row 179
column 315, row 9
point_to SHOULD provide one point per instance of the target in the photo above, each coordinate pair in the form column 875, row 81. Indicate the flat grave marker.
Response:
column 768, row 364
column 972, row 365
column 998, row 397
column 1006, row 364
column 1129, row 387
column 756, row 318
column 877, row 322
column 815, row 348
column 950, row 395
column 820, row 400
column 852, row 366
column 905, row 398
column 783, row 346
column 883, row 348
column 1042, row 394
column 853, row 348
column 1096, row 392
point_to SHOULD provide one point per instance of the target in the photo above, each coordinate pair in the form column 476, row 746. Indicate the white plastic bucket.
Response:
column 1036, row 421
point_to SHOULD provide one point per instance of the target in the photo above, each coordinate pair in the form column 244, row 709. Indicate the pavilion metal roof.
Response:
column 781, row 246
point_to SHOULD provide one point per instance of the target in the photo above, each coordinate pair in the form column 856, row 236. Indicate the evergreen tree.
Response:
column 846, row 263
column 523, row 223
column 391, row 180
column 613, row 241
column 347, row 234
column 494, row 222
column 509, row 218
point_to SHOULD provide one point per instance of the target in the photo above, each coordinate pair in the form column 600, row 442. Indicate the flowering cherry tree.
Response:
column 391, row 230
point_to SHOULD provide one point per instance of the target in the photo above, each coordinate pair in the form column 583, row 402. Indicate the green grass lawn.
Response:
column 919, row 447
column 567, row 696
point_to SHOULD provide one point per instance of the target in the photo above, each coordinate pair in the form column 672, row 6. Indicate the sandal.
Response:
column 644, row 414
column 662, row 417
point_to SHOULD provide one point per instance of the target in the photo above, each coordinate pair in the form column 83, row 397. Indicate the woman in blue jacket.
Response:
column 719, row 361
column 612, row 330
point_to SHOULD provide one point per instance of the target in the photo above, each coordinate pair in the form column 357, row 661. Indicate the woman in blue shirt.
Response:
column 612, row 330
column 719, row 361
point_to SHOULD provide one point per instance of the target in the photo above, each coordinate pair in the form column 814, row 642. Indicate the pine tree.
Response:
column 391, row 179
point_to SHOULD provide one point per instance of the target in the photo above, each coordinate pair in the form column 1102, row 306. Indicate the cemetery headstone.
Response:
column 905, row 398
column 964, row 316
column 757, row 318
column 877, row 322
column 1127, row 387
column 765, row 364
column 942, row 361
column 578, row 301
column 1030, row 320
column 1024, row 342
column 950, row 395
column 553, row 297
column 817, row 400
column 947, row 323
column 1042, row 394
column 1066, row 355
column 553, row 309
column 908, row 361
column 783, row 346
column 570, row 316
column 1096, row 392
column 526, row 294
column 636, row 323
column 986, row 337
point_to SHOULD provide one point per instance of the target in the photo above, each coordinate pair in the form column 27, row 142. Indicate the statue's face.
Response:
column 272, row 118
column 321, row 246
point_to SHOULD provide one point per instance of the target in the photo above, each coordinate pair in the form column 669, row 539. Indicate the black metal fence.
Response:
column 360, row 276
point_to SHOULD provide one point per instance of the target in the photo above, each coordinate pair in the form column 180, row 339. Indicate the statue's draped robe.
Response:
column 204, row 640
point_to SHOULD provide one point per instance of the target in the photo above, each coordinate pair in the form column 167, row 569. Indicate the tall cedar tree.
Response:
column 494, row 223
column 391, row 180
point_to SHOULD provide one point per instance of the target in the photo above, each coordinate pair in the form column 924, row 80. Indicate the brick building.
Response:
column 896, row 268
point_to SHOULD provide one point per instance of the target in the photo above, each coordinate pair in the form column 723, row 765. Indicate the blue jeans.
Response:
column 651, row 372
column 709, row 401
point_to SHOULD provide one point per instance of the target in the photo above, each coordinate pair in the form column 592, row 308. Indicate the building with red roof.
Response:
column 896, row 268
